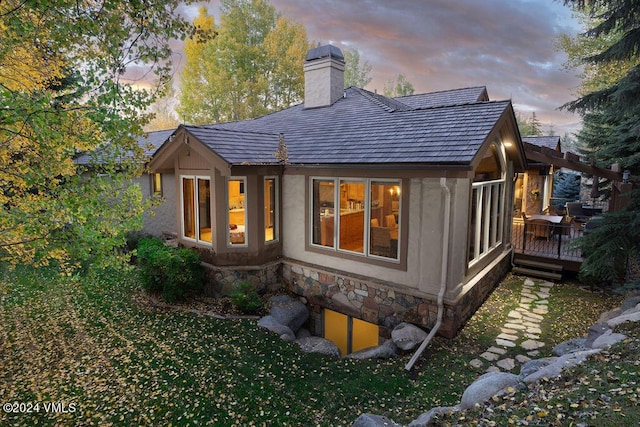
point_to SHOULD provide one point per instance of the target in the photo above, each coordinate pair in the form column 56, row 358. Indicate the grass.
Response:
column 86, row 343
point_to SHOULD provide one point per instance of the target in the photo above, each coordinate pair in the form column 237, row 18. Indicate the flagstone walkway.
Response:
column 521, row 331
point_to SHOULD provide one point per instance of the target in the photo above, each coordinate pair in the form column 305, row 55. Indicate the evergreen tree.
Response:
column 611, row 115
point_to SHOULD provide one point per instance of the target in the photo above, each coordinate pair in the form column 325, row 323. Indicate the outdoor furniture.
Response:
column 542, row 229
column 576, row 212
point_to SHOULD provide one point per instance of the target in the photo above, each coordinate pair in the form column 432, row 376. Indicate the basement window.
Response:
column 349, row 333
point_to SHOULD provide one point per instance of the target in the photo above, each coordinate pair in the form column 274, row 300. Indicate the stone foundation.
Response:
column 221, row 280
column 385, row 304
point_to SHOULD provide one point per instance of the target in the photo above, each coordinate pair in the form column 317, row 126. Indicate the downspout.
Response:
column 443, row 273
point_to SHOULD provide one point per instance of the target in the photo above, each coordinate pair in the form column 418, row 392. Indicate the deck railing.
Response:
column 556, row 242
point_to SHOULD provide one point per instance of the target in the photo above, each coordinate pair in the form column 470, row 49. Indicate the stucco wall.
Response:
column 162, row 218
column 424, row 245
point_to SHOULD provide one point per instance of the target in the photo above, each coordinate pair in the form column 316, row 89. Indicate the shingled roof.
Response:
column 362, row 128
column 551, row 142
column 149, row 143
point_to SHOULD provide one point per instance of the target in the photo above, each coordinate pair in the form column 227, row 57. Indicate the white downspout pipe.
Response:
column 443, row 273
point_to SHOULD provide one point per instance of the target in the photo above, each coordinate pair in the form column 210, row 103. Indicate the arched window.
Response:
column 487, row 204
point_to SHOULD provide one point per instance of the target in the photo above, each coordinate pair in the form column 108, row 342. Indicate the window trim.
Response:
column 196, row 211
column 335, row 249
column 155, row 189
column 276, row 219
column 243, row 186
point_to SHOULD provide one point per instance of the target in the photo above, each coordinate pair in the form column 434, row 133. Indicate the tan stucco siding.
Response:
column 161, row 219
column 423, row 247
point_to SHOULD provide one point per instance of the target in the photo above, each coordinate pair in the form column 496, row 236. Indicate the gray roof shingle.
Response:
column 551, row 142
column 360, row 128
column 149, row 142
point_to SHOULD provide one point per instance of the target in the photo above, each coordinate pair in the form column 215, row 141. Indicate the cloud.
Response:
column 506, row 45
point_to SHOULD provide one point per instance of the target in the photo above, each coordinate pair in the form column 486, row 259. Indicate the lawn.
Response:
column 85, row 345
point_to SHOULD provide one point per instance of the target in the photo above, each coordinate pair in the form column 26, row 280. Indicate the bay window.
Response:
column 196, row 208
column 270, row 209
column 237, row 212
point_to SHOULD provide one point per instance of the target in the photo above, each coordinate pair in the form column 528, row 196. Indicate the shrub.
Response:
column 171, row 272
column 245, row 297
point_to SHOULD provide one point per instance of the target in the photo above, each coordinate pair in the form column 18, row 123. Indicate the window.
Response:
column 156, row 184
column 270, row 209
column 487, row 205
column 348, row 333
column 237, row 218
column 359, row 216
column 196, row 208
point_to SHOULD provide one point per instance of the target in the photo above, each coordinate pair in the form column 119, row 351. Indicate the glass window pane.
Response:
column 270, row 210
column 237, row 212
column 384, row 214
column 188, row 208
column 204, row 210
column 336, row 329
column 363, row 335
column 323, row 212
column 352, row 216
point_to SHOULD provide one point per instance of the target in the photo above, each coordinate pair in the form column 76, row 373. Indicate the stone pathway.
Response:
column 521, row 332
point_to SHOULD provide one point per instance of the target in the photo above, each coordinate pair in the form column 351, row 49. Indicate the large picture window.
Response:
column 487, row 204
column 358, row 216
column 196, row 208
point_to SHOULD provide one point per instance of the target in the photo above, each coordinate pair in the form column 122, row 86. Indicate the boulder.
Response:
column 288, row 311
column 384, row 351
column 371, row 420
column 555, row 368
column 303, row 333
column 270, row 323
column 608, row 339
column 632, row 317
column 535, row 365
column 569, row 346
column 428, row 418
column 487, row 386
column 407, row 336
column 630, row 302
column 594, row 332
column 318, row 345
column 607, row 315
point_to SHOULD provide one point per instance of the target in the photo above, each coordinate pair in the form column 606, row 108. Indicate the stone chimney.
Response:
column 323, row 76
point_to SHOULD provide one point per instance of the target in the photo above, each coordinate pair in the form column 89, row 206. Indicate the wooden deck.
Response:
column 554, row 247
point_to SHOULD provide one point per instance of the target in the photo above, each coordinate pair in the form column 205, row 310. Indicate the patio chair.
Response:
column 542, row 229
column 576, row 213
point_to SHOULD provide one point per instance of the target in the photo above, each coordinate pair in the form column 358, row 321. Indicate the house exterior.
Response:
column 370, row 208
column 534, row 187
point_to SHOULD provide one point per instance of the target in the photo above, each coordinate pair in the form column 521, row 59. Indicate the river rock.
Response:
column 407, row 336
column 270, row 323
column 384, row 351
column 371, row 420
column 487, row 386
column 288, row 311
column 318, row 345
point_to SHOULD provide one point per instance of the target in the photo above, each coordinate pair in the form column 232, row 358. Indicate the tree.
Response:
column 528, row 126
column 355, row 74
column 400, row 87
column 63, row 67
column 250, row 68
column 611, row 113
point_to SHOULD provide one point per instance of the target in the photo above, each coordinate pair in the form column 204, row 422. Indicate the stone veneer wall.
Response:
column 382, row 303
column 221, row 280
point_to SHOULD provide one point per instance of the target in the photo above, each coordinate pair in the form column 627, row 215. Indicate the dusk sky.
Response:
column 506, row 45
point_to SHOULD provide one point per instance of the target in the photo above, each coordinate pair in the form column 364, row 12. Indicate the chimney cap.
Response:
column 326, row 51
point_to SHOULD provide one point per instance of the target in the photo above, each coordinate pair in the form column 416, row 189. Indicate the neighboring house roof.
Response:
column 362, row 128
column 149, row 142
column 551, row 142
column 446, row 97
